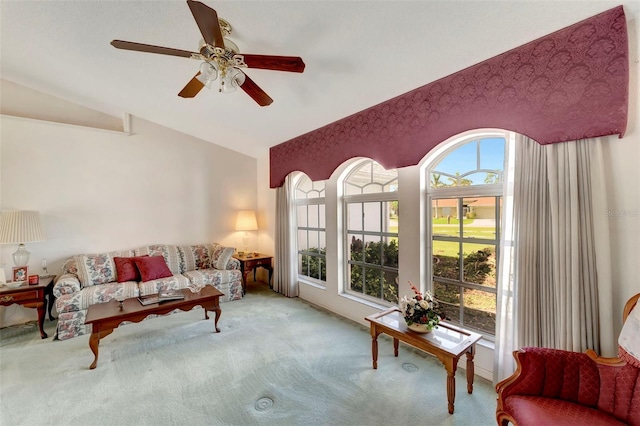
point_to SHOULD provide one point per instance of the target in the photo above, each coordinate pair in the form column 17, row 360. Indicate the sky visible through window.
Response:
column 465, row 158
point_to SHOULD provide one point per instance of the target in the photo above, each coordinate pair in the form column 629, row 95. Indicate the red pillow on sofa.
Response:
column 152, row 268
column 126, row 268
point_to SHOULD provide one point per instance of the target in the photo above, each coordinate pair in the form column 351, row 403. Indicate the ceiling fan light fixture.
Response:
column 232, row 79
column 208, row 74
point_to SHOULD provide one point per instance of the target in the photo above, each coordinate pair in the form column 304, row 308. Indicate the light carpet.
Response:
column 277, row 361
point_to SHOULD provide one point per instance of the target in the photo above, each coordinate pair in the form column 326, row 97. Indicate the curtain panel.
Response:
column 560, row 293
column 286, row 267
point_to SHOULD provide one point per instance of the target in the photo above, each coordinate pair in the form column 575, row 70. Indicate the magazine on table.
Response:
column 148, row 299
column 163, row 296
column 170, row 295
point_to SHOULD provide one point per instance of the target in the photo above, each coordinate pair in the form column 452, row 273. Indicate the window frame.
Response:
column 377, row 197
column 307, row 202
column 461, row 192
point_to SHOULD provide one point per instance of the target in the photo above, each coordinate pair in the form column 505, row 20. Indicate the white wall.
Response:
column 100, row 190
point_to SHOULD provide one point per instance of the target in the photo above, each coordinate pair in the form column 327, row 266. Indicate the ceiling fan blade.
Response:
column 139, row 47
column 192, row 88
column 256, row 93
column 207, row 20
column 277, row 63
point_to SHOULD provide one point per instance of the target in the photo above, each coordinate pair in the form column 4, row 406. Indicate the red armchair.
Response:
column 555, row 387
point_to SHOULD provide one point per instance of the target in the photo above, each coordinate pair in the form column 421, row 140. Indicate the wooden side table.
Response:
column 447, row 342
column 248, row 264
column 29, row 296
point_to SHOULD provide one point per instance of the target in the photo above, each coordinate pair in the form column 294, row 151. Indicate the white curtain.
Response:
column 559, row 294
column 286, row 267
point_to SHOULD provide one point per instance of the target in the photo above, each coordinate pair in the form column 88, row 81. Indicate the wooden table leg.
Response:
column 470, row 369
column 374, row 346
column 396, row 343
column 217, row 310
column 450, row 364
column 94, row 342
column 42, row 309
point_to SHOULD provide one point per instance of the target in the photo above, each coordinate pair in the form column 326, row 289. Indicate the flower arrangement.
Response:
column 420, row 309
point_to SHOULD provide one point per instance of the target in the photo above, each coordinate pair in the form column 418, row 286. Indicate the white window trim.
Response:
column 488, row 190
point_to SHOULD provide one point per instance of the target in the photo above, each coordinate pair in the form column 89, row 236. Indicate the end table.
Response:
column 250, row 262
column 31, row 296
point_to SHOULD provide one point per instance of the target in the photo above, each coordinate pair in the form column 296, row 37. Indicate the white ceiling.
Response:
column 357, row 54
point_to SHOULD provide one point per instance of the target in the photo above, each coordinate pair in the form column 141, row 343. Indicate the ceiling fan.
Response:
column 221, row 58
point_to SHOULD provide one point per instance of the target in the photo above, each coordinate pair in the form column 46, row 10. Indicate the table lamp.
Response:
column 19, row 227
column 246, row 221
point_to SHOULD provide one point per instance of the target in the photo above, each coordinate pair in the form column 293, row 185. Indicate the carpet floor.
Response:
column 277, row 361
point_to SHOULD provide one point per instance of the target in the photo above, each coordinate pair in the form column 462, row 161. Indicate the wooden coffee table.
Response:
column 446, row 342
column 104, row 317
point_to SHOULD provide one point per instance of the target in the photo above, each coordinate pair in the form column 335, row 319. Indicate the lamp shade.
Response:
column 20, row 226
column 246, row 221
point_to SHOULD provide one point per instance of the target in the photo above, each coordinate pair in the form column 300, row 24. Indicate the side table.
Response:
column 29, row 296
column 248, row 264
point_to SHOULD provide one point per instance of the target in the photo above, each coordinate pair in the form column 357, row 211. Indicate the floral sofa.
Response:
column 88, row 279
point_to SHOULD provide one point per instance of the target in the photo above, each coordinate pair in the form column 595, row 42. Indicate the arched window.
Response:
column 310, row 206
column 371, row 232
column 464, row 195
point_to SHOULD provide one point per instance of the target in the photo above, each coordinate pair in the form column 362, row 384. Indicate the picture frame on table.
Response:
column 3, row 278
column 20, row 273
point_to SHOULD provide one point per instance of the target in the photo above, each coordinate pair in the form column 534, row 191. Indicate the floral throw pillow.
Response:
column 94, row 269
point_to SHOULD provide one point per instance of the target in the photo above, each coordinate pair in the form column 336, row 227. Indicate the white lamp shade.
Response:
column 20, row 226
column 246, row 221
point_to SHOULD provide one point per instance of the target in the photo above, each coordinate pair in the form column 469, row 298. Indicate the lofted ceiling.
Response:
column 357, row 54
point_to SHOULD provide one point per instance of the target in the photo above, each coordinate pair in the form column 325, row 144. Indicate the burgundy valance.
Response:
column 571, row 84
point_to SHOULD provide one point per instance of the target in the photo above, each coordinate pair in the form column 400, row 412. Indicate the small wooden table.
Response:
column 30, row 296
column 248, row 264
column 446, row 342
column 105, row 317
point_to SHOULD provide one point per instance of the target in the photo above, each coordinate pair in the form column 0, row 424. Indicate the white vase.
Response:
column 420, row 328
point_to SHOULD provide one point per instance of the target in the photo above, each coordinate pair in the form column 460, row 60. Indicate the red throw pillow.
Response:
column 152, row 268
column 126, row 268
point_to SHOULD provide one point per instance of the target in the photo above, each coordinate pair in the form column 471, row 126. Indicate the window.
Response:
column 465, row 199
column 371, row 224
column 310, row 206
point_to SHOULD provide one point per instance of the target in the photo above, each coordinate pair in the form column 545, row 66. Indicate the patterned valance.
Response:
column 571, row 84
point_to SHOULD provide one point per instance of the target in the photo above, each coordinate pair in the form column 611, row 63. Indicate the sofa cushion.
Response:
column 152, row 267
column 126, row 269
column 196, row 256
column 169, row 252
column 97, row 268
column 212, row 277
column 173, row 282
column 94, row 269
column 538, row 410
column 91, row 295
column 222, row 256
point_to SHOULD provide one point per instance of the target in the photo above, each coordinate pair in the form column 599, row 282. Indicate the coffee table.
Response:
column 105, row 317
column 446, row 342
